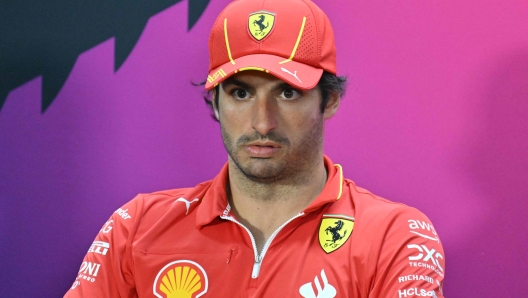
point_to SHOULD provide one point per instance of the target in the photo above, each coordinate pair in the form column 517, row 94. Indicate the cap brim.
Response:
column 297, row 74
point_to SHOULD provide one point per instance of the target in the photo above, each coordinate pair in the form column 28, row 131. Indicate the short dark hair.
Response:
column 329, row 83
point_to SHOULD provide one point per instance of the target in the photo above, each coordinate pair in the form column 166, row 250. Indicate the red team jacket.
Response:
column 187, row 243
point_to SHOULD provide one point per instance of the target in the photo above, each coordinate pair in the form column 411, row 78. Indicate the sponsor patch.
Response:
column 423, row 229
column 326, row 290
column 181, row 279
column 99, row 247
column 426, row 255
column 413, row 277
column 260, row 24
column 107, row 227
column 123, row 213
column 415, row 292
column 426, row 265
column 87, row 272
column 334, row 231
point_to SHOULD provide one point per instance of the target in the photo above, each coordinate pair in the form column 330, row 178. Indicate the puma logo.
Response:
column 187, row 203
column 293, row 74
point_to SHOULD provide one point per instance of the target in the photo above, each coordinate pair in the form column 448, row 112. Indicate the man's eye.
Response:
column 240, row 94
column 290, row 94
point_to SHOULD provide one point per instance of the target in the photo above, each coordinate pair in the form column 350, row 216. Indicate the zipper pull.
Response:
column 230, row 255
column 256, row 270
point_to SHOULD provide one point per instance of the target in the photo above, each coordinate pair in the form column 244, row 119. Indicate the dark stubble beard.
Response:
column 296, row 164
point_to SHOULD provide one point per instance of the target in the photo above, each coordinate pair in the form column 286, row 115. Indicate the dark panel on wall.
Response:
column 46, row 37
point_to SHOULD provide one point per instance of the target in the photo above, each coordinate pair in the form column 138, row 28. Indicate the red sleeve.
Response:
column 106, row 270
column 410, row 258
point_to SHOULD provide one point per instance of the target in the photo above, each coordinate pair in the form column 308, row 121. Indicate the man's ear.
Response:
column 215, row 108
column 332, row 105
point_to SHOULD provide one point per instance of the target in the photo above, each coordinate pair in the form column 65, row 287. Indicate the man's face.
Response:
column 271, row 131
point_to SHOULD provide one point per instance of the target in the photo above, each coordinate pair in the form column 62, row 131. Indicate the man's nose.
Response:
column 264, row 115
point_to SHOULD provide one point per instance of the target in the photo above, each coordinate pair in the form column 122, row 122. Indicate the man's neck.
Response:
column 264, row 207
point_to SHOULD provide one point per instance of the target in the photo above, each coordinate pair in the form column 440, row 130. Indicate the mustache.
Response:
column 256, row 136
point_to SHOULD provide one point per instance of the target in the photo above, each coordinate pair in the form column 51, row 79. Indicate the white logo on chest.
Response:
column 187, row 203
column 324, row 291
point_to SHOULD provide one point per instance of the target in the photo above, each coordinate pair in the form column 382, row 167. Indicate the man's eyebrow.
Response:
column 282, row 86
column 233, row 81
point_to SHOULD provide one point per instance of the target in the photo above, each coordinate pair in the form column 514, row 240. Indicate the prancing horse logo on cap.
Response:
column 260, row 24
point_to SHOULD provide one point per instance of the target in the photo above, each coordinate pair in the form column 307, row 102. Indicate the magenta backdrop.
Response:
column 436, row 116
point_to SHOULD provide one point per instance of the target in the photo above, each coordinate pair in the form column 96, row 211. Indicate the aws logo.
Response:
column 44, row 38
column 181, row 279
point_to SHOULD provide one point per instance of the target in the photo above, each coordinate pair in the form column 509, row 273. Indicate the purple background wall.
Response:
column 436, row 116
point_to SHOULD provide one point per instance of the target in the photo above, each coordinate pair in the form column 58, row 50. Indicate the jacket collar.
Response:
column 214, row 202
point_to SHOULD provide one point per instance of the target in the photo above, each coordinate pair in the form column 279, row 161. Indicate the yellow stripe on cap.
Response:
column 251, row 68
column 296, row 43
column 227, row 42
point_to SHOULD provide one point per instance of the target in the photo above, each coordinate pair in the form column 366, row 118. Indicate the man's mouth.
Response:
column 262, row 149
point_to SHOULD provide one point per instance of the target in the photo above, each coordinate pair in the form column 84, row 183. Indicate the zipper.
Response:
column 258, row 257
column 256, row 266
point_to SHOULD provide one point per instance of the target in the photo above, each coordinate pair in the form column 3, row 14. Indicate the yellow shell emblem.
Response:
column 334, row 231
column 180, row 279
column 260, row 24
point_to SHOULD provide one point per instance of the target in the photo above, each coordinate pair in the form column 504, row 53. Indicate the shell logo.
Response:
column 181, row 279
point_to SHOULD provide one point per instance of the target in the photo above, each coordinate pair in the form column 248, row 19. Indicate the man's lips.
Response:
column 262, row 149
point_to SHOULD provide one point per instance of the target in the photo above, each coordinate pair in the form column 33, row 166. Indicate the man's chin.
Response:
column 261, row 170
column 263, row 178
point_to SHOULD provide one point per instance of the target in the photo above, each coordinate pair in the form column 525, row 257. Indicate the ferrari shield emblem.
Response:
column 334, row 231
column 260, row 24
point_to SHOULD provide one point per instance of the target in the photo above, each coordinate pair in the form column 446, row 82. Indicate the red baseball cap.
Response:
column 290, row 39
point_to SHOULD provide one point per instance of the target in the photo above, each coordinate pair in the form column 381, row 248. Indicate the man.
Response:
column 279, row 220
